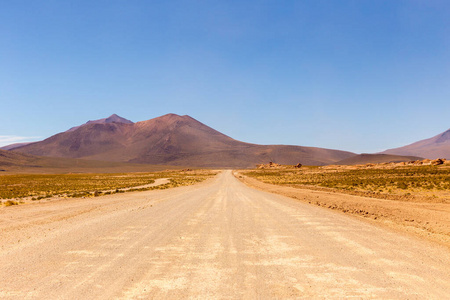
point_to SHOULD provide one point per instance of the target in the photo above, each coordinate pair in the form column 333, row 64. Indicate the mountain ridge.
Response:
column 114, row 118
column 172, row 140
column 437, row 146
column 13, row 162
column 15, row 145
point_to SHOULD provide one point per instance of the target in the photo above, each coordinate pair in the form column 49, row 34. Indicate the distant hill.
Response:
column 14, row 162
column 13, row 146
column 111, row 119
column 172, row 140
column 363, row 159
column 432, row 148
column 10, row 158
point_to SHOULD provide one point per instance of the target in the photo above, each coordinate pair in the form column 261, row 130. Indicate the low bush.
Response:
column 11, row 203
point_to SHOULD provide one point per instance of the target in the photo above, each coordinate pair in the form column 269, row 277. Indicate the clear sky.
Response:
column 361, row 75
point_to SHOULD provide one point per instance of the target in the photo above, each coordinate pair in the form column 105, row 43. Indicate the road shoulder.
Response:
column 430, row 221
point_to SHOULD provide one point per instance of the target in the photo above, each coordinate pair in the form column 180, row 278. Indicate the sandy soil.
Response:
column 215, row 240
column 159, row 181
column 426, row 219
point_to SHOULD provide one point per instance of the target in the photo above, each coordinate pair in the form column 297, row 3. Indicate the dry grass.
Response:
column 408, row 198
column 399, row 183
column 36, row 187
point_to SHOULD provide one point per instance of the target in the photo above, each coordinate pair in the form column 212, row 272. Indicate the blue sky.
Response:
column 357, row 75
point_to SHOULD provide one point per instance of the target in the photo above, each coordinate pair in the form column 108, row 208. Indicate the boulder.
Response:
column 438, row 162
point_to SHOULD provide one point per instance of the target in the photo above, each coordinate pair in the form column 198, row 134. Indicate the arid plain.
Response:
column 119, row 210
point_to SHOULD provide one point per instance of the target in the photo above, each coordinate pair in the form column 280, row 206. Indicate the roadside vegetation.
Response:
column 411, row 198
column 37, row 187
column 399, row 183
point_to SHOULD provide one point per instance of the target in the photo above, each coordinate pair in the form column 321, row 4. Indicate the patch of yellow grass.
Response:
column 77, row 185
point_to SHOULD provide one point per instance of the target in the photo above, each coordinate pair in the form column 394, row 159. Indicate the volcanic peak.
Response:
column 111, row 119
column 171, row 140
column 444, row 137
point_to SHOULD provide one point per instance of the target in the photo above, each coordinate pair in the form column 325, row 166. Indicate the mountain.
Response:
column 363, row 159
column 172, row 140
column 13, row 146
column 10, row 158
column 111, row 119
column 14, row 162
column 432, row 148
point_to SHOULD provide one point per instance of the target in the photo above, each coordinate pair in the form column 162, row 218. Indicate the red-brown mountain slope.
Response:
column 432, row 148
column 14, row 162
column 173, row 140
column 111, row 119
column 13, row 146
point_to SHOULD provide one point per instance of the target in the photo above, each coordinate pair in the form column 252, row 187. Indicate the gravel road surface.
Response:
column 218, row 239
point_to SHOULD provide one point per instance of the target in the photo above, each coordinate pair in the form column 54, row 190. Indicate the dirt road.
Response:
column 218, row 239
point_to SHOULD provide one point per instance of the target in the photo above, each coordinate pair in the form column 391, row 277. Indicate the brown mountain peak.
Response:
column 117, row 119
column 171, row 139
column 173, row 118
column 167, row 121
column 431, row 148
column 443, row 137
column 111, row 119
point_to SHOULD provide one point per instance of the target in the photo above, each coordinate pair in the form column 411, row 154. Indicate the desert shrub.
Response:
column 402, row 185
column 11, row 203
column 84, row 185
column 394, row 180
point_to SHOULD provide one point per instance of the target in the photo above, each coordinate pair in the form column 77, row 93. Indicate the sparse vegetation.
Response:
column 36, row 187
column 418, row 197
column 433, row 181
